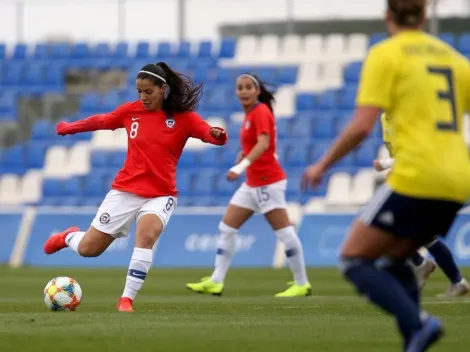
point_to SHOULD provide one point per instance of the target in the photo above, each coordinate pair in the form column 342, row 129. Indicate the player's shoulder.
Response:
column 132, row 106
column 262, row 109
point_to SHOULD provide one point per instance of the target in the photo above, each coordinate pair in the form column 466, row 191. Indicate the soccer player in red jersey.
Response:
column 263, row 191
column 158, row 126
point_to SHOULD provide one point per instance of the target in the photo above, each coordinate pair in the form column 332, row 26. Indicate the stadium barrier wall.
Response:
column 190, row 240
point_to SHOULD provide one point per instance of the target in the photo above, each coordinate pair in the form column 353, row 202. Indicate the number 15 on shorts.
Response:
column 262, row 194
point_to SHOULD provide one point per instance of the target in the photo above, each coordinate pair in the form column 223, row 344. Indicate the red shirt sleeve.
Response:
column 109, row 121
column 263, row 121
column 200, row 129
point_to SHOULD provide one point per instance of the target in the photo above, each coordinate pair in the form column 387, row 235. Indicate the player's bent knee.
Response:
column 225, row 229
column 89, row 250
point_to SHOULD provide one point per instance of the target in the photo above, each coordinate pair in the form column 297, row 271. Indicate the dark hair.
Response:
column 407, row 12
column 265, row 95
column 183, row 94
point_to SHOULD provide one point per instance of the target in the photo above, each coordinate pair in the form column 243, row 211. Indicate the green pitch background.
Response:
column 246, row 318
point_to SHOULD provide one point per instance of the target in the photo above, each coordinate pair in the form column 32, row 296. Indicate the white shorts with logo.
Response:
column 120, row 209
column 261, row 199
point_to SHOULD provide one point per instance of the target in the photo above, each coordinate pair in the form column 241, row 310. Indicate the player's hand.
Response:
column 313, row 176
column 378, row 166
column 232, row 176
column 62, row 128
column 218, row 133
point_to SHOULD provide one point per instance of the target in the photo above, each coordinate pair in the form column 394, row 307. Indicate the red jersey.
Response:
column 266, row 169
column 155, row 144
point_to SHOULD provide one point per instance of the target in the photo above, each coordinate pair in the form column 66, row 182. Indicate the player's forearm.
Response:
column 92, row 123
column 258, row 150
column 351, row 137
column 243, row 162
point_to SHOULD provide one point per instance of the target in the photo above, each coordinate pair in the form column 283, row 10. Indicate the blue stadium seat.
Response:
column 184, row 50
column 209, row 157
column 267, row 74
column 300, row 128
column 111, row 101
column 72, row 187
column 287, row 75
column 449, row 38
column 142, row 50
column 34, row 75
column 348, row 99
column 118, row 159
column 366, row 154
column 80, row 51
column 20, row 52
column 184, row 183
column 41, row 52
column 54, row 78
column 298, row 155
column 204, row 50
column 464, row 44
column 202, row 74
column 226, row 188
column 52, row 188
column 353, row 72
column 188, row 159
column 100, row 159
column 306, row 102
column 101, row 51
column 13, row 76
column 227, row 157
column 376, row 38
column 60, row 51
column 328, row 100
column 121, row 51
column 323, row 127
column 13, row 160
column 7, row 104
column 204, row 184
column 233, row 129
column 90, row 103
column 164, row 51
column 3, row 51
column 227, row 48
column 224, row 76
column 42, row 130
column 94, row 187
column 35, row 155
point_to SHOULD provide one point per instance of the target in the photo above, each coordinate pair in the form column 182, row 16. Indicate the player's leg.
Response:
column 445, row 260
column 240, row 209
column 152, row 218
column 111, row 221
column 272, row 203
column 423, row 268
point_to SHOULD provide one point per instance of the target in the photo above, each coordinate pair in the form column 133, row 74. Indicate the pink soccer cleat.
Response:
column 57, row 241
column 125, row 305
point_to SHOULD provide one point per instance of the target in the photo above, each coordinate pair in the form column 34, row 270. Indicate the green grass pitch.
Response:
column 246, row 318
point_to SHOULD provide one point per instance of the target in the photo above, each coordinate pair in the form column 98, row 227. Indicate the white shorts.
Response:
column 261, row 199
column 120, row 209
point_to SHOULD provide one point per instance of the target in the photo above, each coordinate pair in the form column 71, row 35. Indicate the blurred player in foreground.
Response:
column 423, row 85
column 158, row 126
column 439, row 250
column 263, row 192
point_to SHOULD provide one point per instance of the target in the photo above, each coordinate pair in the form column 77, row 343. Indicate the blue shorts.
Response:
column 408, row 217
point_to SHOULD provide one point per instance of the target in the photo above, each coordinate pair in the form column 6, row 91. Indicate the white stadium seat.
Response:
column 79, row 159
column 333, row 75
column 309, row 79
column 31, row 187
column 357, row 46
column 363, row 185
column 334, row 48
column 103, row 140
column 285, row 102
column 291, row 50
column 56, row 162
column 9, row 190
column 268, row 50
column 120, row 139
column 313, row 48
column 339, row 189
column 247, row 49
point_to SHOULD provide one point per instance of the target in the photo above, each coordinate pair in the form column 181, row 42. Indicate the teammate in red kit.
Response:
column 263, row 191
column 158, row 126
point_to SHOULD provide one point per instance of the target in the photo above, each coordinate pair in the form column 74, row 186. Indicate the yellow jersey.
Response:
column 386, row 134
column 423, row 86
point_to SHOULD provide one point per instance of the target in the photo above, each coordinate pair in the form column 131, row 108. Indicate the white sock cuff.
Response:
column 142, row 254
column 285, row 233
column 225, row 229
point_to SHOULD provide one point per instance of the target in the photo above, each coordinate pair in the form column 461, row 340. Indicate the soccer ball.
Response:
column 62, row 294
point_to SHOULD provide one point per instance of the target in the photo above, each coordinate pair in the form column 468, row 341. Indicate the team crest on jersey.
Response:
column 105, row 218
column 247, row 125
column 170, row 123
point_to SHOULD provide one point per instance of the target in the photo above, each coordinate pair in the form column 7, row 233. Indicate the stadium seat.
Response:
column 339, row 189
column 290, row 49
column 362, row 188
column 228, row 48
column 13, row 160
column 79, row 159
column 103, row 140
column 9, row 189
column 56, row 164
column 464, row 44
column 72, row 187
column 449, row 38
column 31, row 187
column 376, row 38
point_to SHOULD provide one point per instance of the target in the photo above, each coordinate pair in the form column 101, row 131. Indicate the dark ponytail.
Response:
column 408, row 13
column 265, row 95
column 182, row 94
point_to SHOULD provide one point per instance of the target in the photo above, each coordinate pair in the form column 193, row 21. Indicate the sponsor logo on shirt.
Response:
column 170, row 123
